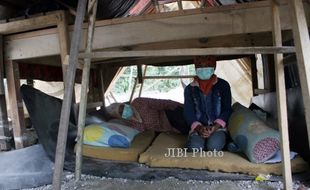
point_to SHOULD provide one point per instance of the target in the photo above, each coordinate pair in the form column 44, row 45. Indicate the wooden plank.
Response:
column 4, row 123
column 281, row 98
column 302, row 43
column 238, row 19
column 84, row 89
column 16, row 103
column 66, row 105
column 29, row 24
column 189, row 52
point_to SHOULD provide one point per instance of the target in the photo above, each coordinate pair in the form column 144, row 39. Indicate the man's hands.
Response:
column 206, row 132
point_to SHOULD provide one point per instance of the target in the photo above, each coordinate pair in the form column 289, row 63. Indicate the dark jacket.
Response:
column 207, row 108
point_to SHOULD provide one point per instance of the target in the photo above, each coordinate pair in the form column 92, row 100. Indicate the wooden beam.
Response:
column 227, row 20
column 29, row 24
column 302, row 44
column 281, row 98
column 66, row 105
column 16, row 103
column 4, row 123
column 189, row 52
column 84, row 89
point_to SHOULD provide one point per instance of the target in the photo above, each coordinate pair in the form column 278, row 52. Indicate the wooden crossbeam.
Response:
column 223, row 21
column 189, row 52
column 30, row 23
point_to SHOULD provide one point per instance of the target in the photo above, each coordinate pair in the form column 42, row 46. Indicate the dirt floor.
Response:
column 96, row 183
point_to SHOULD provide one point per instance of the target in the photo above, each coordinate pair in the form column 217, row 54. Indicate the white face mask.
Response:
column 205, row 73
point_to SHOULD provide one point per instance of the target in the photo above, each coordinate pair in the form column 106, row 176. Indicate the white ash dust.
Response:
column 89, row 182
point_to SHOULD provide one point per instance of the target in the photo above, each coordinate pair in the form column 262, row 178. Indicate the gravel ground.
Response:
column 96, row 183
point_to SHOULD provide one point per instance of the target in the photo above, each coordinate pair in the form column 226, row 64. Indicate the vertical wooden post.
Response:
column 102, row 87
column 254, row 74
column 133, row 90
column 63, row 38
column 69, row 84
column 281, row 97
column 4, row 124
column 302, row 45
column 64, row 41
column 203, row 2
column 180, row 6
column 17, row 111
column 144, row 74
column 85, row 82
column 156, row 4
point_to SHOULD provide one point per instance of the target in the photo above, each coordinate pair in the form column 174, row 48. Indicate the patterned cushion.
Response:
column 109, row 135
column 252, row 135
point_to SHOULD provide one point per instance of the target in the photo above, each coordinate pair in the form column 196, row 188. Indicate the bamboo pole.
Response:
column 66, row 105
column 85, row 83
column 281, row 97
column 4, row 123
column 302, row 44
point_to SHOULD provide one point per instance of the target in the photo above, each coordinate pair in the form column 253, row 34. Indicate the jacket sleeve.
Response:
column 189, row 107
column 226, row 109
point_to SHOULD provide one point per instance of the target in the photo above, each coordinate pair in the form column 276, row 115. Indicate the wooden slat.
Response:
column 253, row 18
column 16, row 103
column 66, row 105
column 4, row 124
column 29, row 24
column 281, row 98
column 302, row 43
column 189, row 52
column 84, row 89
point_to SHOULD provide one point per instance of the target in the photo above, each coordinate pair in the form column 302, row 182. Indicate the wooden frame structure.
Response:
column 231, row 29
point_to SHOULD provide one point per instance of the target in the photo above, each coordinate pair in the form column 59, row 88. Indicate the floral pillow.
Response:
column 109, row 135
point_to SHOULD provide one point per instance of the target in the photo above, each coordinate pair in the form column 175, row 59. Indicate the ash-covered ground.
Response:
column 88, row 182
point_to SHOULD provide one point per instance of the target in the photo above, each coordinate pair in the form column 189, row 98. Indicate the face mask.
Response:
column 127, row 112
column 204, row 73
